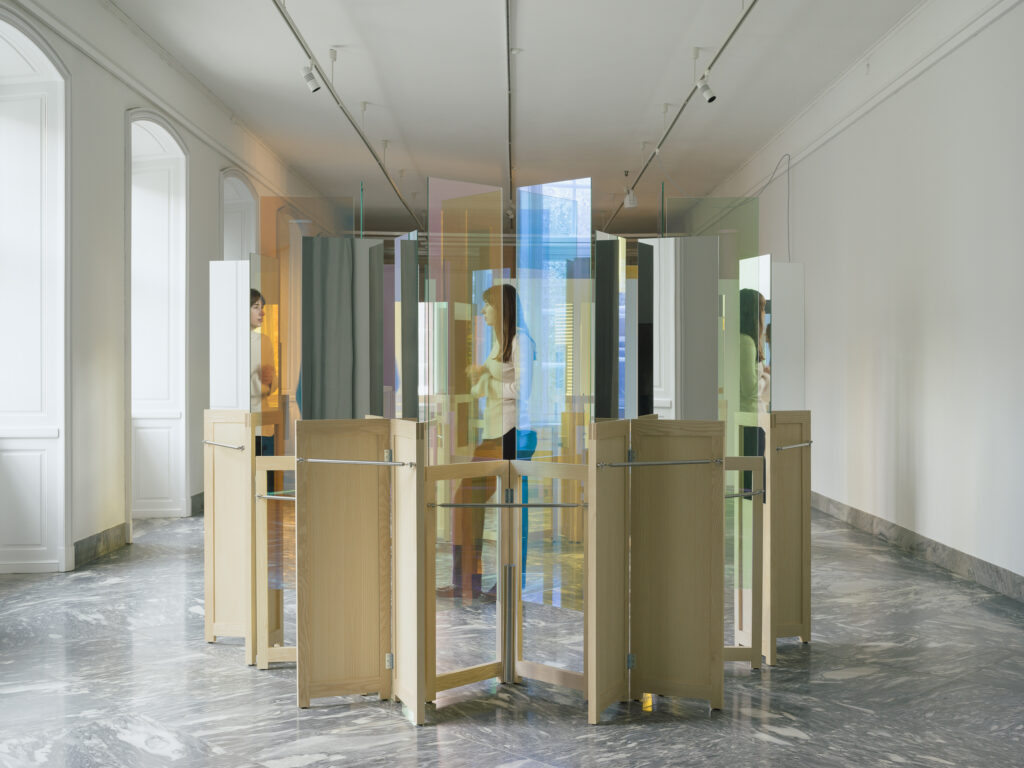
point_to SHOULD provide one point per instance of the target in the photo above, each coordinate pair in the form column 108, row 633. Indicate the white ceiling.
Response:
column 589, row 87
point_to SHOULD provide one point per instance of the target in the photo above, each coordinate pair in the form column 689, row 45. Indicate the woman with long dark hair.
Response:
column 504, row 382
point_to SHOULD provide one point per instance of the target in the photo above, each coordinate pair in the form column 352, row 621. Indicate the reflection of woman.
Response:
column 752, row 369
column 503, row 381
column 261, row 375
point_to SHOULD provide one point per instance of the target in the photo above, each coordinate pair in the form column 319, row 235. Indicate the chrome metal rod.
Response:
column 509, row 617
column 657, row 463
column 224, row 445
column 358, row 462
column 747, row 495
column 794, row 445
column 507, row 505
column 273, row 497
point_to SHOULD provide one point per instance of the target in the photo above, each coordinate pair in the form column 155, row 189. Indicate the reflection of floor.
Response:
column 552, row 594
column 106, row 666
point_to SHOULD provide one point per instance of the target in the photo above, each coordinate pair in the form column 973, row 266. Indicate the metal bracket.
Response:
column 389, row 661
column 388, row 456
column 510, row 495
column 630, row 455
column 630, row 661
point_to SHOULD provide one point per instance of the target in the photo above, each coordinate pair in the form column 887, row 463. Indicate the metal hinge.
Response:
column 388, row 455
column 510, row 495
column 389, row 661
column 630, row 661
column 630, row 455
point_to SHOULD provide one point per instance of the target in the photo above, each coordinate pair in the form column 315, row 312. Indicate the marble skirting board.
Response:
column 988, row 575
column 99, row 544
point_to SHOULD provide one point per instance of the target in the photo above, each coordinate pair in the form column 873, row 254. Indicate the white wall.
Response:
column 113, row 69
column 906, row 212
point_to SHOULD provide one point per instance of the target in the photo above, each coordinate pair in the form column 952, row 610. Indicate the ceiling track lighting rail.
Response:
column 314, row 66
column 695, row 88
column 508, row 94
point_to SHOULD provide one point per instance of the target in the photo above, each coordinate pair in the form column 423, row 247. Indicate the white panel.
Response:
column 697, row 385
column 158, row 326
column 21, row 252
column 151, row 286
column 32, row 251
column 229, row 335
column 23, row 521
column 632, row 349
column 787, row 344
column 13, row 63
column 664, row 327
column 152, row 466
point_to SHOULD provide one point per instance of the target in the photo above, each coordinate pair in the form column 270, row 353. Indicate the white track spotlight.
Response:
column 629, row 201
column 705, row 90
column 310, row 77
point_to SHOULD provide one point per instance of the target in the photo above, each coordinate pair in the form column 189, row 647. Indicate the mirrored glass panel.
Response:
column 739, row 553
column 467, row 354
column 466, row 571
column 276, row 272
column 280, row 537
column 735, row 221
column 552, row 566
column 556, row 318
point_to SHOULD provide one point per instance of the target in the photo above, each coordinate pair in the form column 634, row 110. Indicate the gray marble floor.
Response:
column 107, row 666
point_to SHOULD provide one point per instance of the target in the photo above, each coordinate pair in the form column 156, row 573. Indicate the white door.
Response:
column 158, row 323
column 33, row 535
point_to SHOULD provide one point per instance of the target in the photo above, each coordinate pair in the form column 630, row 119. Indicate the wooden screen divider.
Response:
column 787, row 531
column 227, row 527
column 431, row 477
column 607, row 569
column 748, row 603
column 411, row 584
column 269, row 600
column 656, row 630
column 677, row 561
column 343, row 559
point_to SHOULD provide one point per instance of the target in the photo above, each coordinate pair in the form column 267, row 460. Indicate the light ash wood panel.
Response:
column 748, row 604
column 269, row 623
column 677, row 562
column 227, row 528
column 410, row 569
column 787, row 532
column 501, row 471
column 343, row 562
column 606, row 605
column 574, row 477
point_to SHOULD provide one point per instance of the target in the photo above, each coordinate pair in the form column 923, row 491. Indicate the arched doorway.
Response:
column 34, row 533
column 158, row 247
column 240, row 216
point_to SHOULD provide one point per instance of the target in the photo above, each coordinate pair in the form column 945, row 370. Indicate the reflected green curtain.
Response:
column 328, row 329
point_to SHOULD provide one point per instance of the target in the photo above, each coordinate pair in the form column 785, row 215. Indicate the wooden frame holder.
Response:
column 227, row 527
column 787, row 531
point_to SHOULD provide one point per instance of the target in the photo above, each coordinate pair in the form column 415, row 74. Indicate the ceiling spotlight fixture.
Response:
column 629, row 201
column 705, row 90
column 310, row 77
